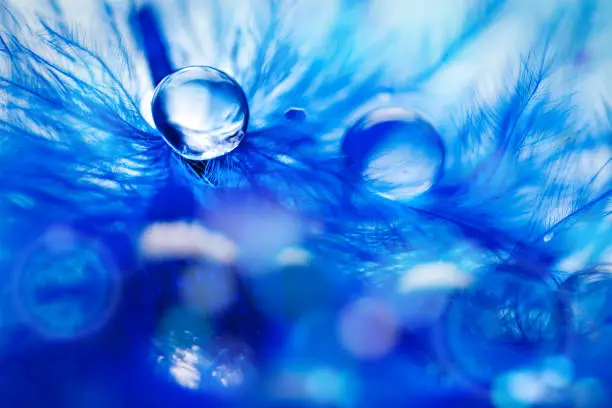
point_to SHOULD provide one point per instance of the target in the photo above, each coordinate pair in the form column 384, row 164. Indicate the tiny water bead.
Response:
column 296, row 114
column 397, row 153
column 201, row 112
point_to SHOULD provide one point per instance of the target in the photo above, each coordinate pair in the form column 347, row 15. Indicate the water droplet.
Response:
column 201, row 112
column 295, row 114
column 549, row 236
column 397, row 153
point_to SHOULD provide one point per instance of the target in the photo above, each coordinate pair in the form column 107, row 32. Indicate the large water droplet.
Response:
column 398, row 154
column 201, row 112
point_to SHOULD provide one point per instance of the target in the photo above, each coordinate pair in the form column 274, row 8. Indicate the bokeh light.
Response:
column 175, row 240
column 322, row 385
column 548, row 383
column 293, row 256
column 208, row 288
column 424, row 291
column 368, row 328
column 262, row 231
column 431, row 276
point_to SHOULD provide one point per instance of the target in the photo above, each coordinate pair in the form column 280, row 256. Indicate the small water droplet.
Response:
column 201, row 112
column 296, row 114
column 397, row 153
column 549, row 236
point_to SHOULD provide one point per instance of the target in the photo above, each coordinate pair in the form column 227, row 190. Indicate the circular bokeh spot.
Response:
column 66, row 287
column 368, row 329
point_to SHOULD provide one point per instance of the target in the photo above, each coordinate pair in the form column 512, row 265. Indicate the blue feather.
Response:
column 524, row 201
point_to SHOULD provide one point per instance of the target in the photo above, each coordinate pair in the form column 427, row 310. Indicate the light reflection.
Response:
column 293, row 256
column 228, row 376
column 422, row 293
column 183, row 367
column 326, row 386
column 545, row 384
column 323, row 385
column 436, row 275
column 145, row 107
column 186, row 351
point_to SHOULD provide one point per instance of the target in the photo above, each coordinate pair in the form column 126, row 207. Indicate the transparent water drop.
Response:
column 201, row 112
column 296, row 114
column 397, row 153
